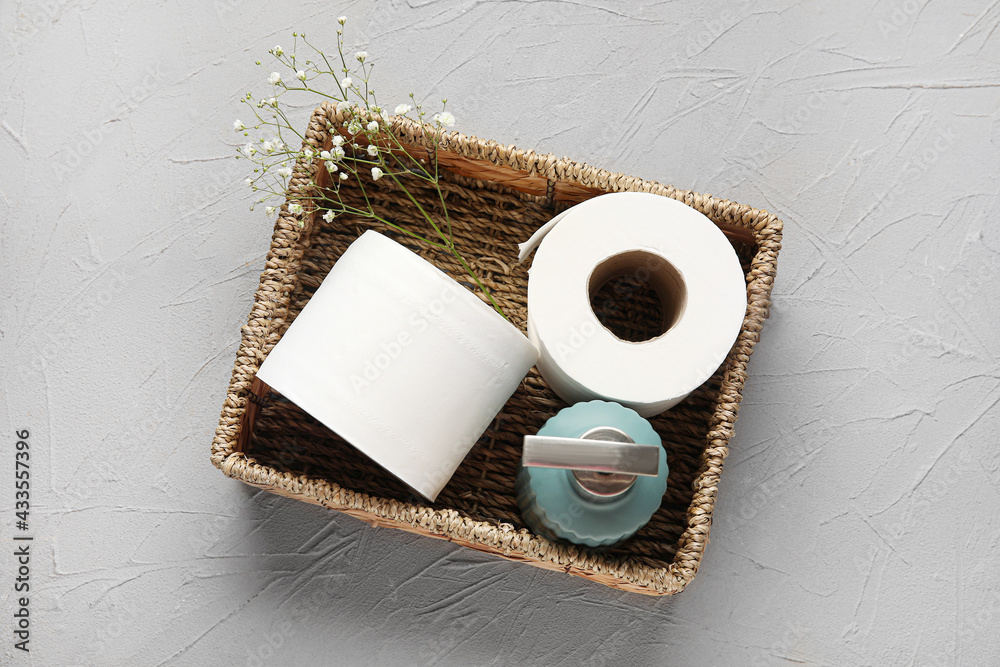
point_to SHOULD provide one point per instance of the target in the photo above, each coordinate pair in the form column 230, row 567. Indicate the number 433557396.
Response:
column 22, row 480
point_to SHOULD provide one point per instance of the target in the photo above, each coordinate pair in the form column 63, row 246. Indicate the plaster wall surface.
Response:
column 859, row 513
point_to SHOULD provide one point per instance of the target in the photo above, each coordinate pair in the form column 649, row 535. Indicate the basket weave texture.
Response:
column 496, row 196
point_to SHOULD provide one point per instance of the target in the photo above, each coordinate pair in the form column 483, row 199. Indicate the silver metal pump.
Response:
column 604, row 461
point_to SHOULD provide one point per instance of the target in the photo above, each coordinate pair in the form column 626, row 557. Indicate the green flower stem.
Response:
column 427, row 216
column 444, row 207
column 395, row 161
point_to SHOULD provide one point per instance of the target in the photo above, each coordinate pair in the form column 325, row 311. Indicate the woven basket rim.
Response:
column 270, row 308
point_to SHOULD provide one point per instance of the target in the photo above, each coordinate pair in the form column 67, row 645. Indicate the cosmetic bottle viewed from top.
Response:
column 593, row 475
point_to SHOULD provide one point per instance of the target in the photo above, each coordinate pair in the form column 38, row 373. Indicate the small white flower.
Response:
column 444, row 118
column 249, row 150
column 285, row 172
column 346, row 82
column 376, row 173
column 308, row 152
column 373, row 150
column 269, row 146
column 238, row 125
column 301, row 75
column 373, row 126
column 343, row 105
column 295, row 208
column 343, row 175
column 270, row 210
column 354, row 126
column 403, row 109
column 361, row 55
column 325, row 155
column 337, row 153
column 341, row 20
column 249, row 182
column 274, row 79
column 330, row 165
column 278, row 51
column 329, row 216
column 338, row 140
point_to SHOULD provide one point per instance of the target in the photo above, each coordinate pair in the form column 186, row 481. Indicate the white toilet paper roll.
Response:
column 399, row 360
column 680, row 253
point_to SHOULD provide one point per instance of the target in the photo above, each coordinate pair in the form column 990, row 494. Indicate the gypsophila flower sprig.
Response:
column 363, row 150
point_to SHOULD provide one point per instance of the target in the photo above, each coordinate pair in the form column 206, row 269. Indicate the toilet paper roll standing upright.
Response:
column 400, row 360
column 680, row 253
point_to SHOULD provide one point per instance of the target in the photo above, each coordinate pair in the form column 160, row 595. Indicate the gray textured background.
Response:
column 857, row 521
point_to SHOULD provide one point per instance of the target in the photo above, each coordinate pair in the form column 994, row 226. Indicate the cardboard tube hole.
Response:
column 637, row 295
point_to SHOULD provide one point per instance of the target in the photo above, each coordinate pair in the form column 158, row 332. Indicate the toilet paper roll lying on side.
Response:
column 680, row 253
column 399, row 360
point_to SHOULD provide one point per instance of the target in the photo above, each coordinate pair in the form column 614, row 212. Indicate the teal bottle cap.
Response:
column 594, row 475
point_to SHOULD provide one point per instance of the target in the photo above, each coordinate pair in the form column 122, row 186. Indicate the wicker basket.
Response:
column 497, row 196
